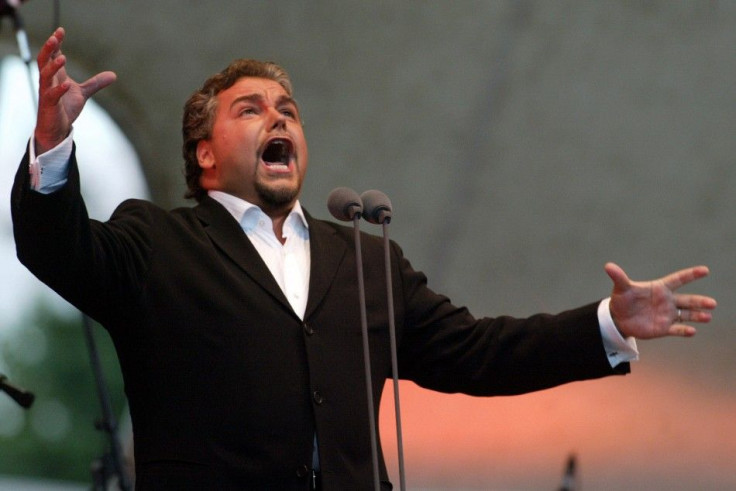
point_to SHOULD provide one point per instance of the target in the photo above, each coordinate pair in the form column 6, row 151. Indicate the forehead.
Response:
column 251, row 86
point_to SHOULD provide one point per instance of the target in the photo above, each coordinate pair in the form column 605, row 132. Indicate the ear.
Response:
column 204, row 155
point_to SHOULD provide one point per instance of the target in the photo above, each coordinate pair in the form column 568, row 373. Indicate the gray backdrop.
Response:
column 523, row 143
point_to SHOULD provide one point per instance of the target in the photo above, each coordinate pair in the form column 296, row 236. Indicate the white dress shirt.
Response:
column 289, row 262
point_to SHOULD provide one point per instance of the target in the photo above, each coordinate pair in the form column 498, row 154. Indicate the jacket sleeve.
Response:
column 443, row 347
column 95, row 266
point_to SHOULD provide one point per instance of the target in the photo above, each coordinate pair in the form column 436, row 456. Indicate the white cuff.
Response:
column 49, row 170
column 618, row 349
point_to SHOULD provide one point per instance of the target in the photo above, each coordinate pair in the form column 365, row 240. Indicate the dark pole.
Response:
column 108, row 424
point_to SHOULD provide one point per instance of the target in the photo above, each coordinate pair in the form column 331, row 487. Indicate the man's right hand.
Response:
column 60, row 98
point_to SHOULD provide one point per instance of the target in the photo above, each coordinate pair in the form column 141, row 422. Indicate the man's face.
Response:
column 257, row 151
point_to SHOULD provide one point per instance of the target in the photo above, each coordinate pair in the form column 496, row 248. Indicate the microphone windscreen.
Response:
column 376, row 205
column 344, row 203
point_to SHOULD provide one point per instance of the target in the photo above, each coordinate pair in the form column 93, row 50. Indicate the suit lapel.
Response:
column 227, row 235
column 326, row 248
column 327, row 251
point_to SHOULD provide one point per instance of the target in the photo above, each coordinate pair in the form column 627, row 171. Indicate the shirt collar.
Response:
column 246, row 213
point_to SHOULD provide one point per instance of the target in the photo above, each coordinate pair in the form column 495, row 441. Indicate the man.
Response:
column 236, row 322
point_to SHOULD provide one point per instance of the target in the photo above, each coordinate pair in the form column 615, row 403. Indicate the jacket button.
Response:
column 302, row 471
column 317, row 396
column 308, row 329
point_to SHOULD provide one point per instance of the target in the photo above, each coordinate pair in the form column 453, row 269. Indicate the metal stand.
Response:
column 109, row 468
column 6, row 9
column 23, row 397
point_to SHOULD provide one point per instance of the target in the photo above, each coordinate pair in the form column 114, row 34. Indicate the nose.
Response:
column 278, row 119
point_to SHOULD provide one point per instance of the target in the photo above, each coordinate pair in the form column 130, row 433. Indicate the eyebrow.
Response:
column 258, row 98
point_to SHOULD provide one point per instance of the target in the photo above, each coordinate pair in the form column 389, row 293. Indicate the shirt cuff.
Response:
column 49, row 170
column 618, row 349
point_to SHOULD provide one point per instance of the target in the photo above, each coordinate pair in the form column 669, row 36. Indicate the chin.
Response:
column 278, row 197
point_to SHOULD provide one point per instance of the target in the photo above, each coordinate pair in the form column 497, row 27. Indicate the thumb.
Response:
column 620, row 280
column 94, row 84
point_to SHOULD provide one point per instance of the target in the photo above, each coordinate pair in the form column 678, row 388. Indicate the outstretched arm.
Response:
column 60, row 98
column 653, row 309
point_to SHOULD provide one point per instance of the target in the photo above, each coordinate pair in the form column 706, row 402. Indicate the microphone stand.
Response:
column 569, row 479
column 346, row 205
column 366, row 350
column 23, row 397
column 111, row 463
column 394, row 357
column 378, row 210
column 22, row 39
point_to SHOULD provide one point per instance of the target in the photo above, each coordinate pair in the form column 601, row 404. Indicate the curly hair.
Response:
column 200, row 109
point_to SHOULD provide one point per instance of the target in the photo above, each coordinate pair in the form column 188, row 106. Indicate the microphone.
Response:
column 345, row 204
column 22, row 397
column 7, row 7
column 377, row 209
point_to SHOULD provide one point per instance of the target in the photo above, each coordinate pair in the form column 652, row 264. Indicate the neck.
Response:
column 278, row 216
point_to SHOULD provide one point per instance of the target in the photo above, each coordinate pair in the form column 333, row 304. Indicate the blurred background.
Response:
column 523, row 144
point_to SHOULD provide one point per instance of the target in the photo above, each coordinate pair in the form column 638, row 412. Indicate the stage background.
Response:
column 523, row 144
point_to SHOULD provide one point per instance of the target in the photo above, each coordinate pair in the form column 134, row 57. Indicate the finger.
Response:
column 682, row 330
column 699, row 316
column 685, row 315
column 675, row 280
column 53, row 82
column 695, row 302
column 51, row 48
column 48, row 74
column 52, row 96
column 97, row 83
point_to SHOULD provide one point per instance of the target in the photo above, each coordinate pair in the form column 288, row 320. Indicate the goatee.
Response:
column 276, row 196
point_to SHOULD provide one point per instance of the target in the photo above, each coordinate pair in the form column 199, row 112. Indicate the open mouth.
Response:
column 278, row 152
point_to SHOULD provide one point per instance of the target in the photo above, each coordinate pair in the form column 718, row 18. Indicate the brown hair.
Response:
column 200, row 109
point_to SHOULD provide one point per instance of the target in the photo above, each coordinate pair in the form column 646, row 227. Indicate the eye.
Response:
column 247, row 111
column 288, row 112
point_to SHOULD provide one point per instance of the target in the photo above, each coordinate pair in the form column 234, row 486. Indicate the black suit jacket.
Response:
column 226, row 384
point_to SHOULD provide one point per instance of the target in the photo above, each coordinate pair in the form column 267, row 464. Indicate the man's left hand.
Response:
column 652, row 309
